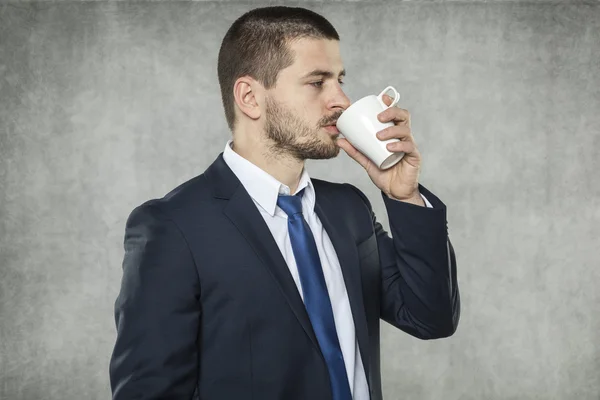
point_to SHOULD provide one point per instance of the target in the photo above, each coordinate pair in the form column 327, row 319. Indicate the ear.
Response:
column 246, row 92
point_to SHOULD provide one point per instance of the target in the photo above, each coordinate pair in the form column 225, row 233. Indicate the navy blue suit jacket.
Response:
column 208, row 309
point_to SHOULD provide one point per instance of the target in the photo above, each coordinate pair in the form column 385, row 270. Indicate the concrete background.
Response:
column 104, row 105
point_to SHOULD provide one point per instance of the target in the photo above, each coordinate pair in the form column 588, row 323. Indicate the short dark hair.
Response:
column 256, row 45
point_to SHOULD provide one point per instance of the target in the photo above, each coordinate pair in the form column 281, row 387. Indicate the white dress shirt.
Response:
column 264, row 190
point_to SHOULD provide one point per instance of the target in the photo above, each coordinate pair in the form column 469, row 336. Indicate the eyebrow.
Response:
column 323, row 73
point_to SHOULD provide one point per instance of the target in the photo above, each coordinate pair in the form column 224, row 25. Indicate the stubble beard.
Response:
column 288, row 136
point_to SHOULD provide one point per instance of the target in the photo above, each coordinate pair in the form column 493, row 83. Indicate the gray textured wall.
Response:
column 105, row 105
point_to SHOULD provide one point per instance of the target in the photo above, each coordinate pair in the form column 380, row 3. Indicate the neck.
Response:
column 259, row 152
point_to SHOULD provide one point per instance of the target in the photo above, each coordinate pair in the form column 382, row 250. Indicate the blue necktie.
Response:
column 316, row 297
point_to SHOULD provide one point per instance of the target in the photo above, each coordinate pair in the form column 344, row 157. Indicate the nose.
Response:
column 340, row 101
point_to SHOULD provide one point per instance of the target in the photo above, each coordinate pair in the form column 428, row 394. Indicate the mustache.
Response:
column 332, row 119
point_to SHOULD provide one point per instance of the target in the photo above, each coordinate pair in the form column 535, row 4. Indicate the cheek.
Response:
column 312, row 116
column 308, row 113
column 305, row 117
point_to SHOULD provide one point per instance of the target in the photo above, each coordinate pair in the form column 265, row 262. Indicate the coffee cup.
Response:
column 359, row 124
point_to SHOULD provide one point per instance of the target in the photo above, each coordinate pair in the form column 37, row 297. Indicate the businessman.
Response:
column 255, row 281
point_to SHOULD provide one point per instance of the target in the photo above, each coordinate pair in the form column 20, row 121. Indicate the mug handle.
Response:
column 394, row 102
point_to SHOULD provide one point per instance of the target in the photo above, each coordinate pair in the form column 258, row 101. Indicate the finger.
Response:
column 355, row 154
column 401, row 132
column 387, row 99
column 395, row 114
column 406, row 147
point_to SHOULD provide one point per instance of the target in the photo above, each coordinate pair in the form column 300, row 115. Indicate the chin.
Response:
column 328, row 152
column 321, row 147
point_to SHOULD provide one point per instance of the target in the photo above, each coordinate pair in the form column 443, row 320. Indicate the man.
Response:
column 254, row 281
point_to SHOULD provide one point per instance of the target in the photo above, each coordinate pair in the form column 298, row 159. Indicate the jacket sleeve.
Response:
column 419, row 288
column 157, row 312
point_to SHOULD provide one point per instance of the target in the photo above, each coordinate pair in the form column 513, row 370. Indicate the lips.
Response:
column 332, row 129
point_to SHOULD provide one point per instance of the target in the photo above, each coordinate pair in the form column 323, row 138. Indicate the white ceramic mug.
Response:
column 359, row 124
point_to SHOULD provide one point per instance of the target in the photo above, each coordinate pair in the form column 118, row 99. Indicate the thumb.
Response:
column 355, row 154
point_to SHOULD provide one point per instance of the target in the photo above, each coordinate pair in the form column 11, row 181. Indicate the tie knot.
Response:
column 292, row 205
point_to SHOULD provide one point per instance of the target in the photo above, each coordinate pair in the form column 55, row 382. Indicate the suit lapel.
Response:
column 243, row 213
column 245, row 216
column 345, row 248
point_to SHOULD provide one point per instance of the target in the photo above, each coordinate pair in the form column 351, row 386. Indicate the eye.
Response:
column 319, row 84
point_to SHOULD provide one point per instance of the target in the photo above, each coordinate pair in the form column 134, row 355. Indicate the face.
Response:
column 307, row 97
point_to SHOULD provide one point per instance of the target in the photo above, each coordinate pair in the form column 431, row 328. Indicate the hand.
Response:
column 401, row 181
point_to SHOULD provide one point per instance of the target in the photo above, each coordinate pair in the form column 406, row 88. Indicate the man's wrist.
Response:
column 416, row 199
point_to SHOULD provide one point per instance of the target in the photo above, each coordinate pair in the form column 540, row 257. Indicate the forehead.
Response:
column 315, row 54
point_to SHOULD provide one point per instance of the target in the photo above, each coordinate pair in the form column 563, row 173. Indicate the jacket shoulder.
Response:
column 182, row 198
column 342, row 193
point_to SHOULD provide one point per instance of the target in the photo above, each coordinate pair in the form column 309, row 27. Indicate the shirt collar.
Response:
column 264, row 188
